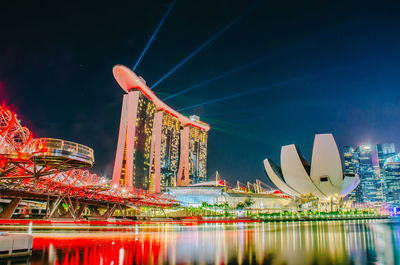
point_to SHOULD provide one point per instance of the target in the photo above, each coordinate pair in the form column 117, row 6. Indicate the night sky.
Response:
column 298, row 68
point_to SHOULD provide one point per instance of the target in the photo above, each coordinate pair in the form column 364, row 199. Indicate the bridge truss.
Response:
column 58, row 170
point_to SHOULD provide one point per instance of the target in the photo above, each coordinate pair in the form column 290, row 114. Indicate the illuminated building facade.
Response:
column 350, row 158
column 391, row 172
column 195, row 196
column 136, row 121
column 165, row 151
column 351, row 168
column 157, row 146
column 197, row 154
column 169, row 150
column 359, row 161
column 192, row 168
column 384, row 152
column 144, row 122
column 371, row 186
column 367, row 188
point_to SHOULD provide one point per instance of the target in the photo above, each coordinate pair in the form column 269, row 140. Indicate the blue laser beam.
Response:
column 261, row 109
column 244, row 93
column 225, row 74
column 215, row 36
column 232, row 71
column 282, row 83
column 241, row 111
column 154, row 34
column 299, row 46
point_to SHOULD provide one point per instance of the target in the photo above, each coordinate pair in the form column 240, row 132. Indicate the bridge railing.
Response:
column 59, row 147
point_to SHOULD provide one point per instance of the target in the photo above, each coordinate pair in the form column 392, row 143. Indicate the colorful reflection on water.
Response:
column 328, row 242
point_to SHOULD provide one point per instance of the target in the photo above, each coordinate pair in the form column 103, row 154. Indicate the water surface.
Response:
column 292, row 243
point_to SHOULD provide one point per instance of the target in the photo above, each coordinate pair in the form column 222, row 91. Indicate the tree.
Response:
column 240, row 205
column 248, row 202
column 205, row 205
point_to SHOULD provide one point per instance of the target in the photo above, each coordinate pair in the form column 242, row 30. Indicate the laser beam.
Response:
column 240, row 111
column 225, row 74
column 154, row 34
column 283, row 83
column 215, row 36
column 244, row 93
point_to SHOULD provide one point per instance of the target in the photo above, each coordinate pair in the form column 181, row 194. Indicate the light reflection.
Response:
column 322, row 242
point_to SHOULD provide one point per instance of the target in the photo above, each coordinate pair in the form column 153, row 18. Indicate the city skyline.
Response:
column 291, row 74
column 379, row 179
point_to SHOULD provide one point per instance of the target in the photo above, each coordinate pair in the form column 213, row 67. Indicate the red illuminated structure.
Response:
column 56, row 170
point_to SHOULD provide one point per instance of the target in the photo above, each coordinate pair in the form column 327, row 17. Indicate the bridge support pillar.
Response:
column 80, row 210
column 109, row 212
column 95, row 214
column 73, row 211
column 58, row 210
column 10, row 208
column 94, row 211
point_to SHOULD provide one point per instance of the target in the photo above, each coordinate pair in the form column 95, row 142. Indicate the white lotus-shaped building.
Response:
column 322, row 179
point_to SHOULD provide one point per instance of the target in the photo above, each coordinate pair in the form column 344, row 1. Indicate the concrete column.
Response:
column 10, row 209
column 183, row 170
column 126, row 139
column 155, row 155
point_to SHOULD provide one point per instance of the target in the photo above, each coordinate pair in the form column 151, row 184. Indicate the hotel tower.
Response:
column 157, row 146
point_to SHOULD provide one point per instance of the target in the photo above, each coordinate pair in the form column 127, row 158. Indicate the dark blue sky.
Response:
column 320, row 66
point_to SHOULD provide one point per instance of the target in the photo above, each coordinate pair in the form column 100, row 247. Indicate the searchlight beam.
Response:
column 154, row 34
column 199, row 49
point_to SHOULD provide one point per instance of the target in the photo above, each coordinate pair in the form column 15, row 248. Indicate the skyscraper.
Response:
column 193, row 168
column 384, row 152
column 154, row 139
column 359, row 161
column 367, row 174
column 350, row 161
column 351, row 168
column 132, row 161
column 391, row 172
column 165, row 150
column 197, row 153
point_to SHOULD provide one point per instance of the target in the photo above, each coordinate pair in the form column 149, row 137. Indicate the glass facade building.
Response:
column 351, row 168
column 391, row 172
column 141, row 156
column 197, row 155
column 351, row 164
column 142, row 142
column 169, row 150
column 369, row 191
column 384, row 152
column 375, row 182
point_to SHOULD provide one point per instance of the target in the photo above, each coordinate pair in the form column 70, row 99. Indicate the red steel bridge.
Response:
column 56, row 172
